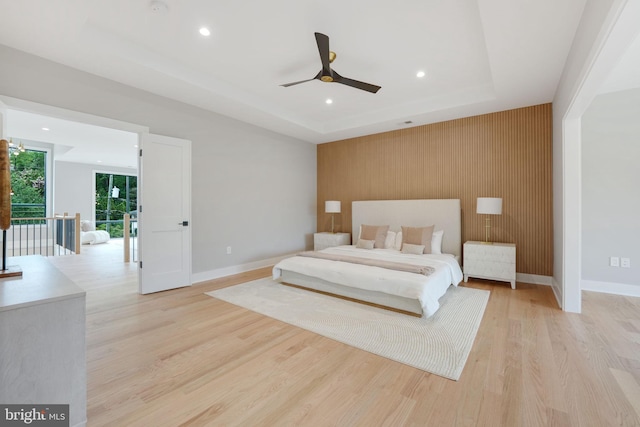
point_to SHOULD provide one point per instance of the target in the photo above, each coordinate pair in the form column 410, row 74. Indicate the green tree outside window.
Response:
column 28, row 184
column 112, row 205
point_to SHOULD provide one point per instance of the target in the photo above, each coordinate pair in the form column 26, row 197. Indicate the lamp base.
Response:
column 487, row 231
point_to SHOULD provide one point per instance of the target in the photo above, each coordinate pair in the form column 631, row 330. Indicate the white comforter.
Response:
column 426, row 289
column 94, row 237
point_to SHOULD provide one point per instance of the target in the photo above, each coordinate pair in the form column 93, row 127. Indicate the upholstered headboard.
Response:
column 443, row 213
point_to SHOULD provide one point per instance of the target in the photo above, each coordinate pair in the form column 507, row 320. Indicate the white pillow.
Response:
column 436, row 242
column 390, row 241
column 86, row 225
column 365, row 244
column 408, row 248
column 398, row 245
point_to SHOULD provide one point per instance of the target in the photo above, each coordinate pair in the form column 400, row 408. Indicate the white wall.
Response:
column 592, row 55
column 253, row 190
column 73, row 187
column 610, row 190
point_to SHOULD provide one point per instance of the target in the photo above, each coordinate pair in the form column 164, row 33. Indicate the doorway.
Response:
column 79, row 146
column 162, row 152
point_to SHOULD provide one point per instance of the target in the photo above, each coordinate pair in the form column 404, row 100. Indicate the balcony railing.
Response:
column 28, row 210
column 130, row 244
column 60, row 235
column 57, row 235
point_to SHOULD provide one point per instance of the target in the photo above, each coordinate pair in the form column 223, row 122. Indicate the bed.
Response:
column 421, row 279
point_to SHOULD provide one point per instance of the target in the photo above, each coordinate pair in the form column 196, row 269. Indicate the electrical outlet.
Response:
column 625, row 262
column 614, row 261
column 228, row 250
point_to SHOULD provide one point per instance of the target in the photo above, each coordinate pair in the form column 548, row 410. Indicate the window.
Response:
column 28, row 184
column 115, row 196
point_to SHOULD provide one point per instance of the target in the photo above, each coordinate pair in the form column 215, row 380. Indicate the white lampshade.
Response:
column 332, row 206
column 489, row 205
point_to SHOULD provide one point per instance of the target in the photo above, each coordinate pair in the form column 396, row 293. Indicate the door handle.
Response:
column 184, row 223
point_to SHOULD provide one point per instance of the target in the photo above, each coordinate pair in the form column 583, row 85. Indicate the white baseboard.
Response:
column 557, row 291
column 236, row 269
column 610, row 288
column 534, row 279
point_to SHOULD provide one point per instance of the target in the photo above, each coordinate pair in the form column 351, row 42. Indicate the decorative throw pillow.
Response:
column 418, row 236
column 408, row 248
column 365, row 244
column 374, row 232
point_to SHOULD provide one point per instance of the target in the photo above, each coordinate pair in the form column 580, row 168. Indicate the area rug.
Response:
column 439, row 344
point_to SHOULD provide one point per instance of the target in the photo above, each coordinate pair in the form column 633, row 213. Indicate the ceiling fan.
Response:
column 329, row 75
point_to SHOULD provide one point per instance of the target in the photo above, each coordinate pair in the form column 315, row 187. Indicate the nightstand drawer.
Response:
column 490, row 253
column 496, row 270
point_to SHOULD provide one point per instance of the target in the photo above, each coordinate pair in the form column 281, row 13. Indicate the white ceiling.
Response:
column 480, row 56
column 73, row 141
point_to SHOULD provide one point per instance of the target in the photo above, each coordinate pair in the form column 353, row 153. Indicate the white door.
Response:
column 164, row 213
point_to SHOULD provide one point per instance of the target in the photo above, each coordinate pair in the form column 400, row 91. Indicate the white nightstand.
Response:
column 495, row 261
column 327, row 240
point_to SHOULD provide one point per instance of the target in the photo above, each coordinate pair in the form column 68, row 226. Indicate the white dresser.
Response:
column 42, row 339
column 327, row 240
column 495, row 261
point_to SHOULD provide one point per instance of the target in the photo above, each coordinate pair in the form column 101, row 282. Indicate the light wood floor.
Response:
column 183, row 358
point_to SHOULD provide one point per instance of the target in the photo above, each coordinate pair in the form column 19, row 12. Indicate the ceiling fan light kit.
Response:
column 328, row 75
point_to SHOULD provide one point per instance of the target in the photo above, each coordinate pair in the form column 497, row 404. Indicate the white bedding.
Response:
column 426, row 289
column 94, row 237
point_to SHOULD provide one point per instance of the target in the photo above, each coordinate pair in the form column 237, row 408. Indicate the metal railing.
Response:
column 60, row 235
column 130, row 238
column 57, row 235
column 28, row 210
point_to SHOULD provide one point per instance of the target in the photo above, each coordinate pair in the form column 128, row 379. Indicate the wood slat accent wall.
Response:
column 505, row 154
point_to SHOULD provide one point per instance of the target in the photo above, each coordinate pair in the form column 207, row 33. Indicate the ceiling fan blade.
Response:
column 323, row 48
column 303, row 81
column 297, row 83
column 355, row 83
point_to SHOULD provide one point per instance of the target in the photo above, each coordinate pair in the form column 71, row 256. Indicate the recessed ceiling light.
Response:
column 205, row 31
column 329, row 101
column 45, row 128
column 99, row 161
column 420, row 74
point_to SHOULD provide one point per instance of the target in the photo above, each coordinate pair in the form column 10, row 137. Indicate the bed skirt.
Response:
column 379, row 298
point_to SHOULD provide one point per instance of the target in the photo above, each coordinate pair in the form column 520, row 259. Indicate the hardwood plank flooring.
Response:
column 182, row 358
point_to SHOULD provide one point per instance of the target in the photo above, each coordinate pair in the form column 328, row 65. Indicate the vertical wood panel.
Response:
column 505, row 154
